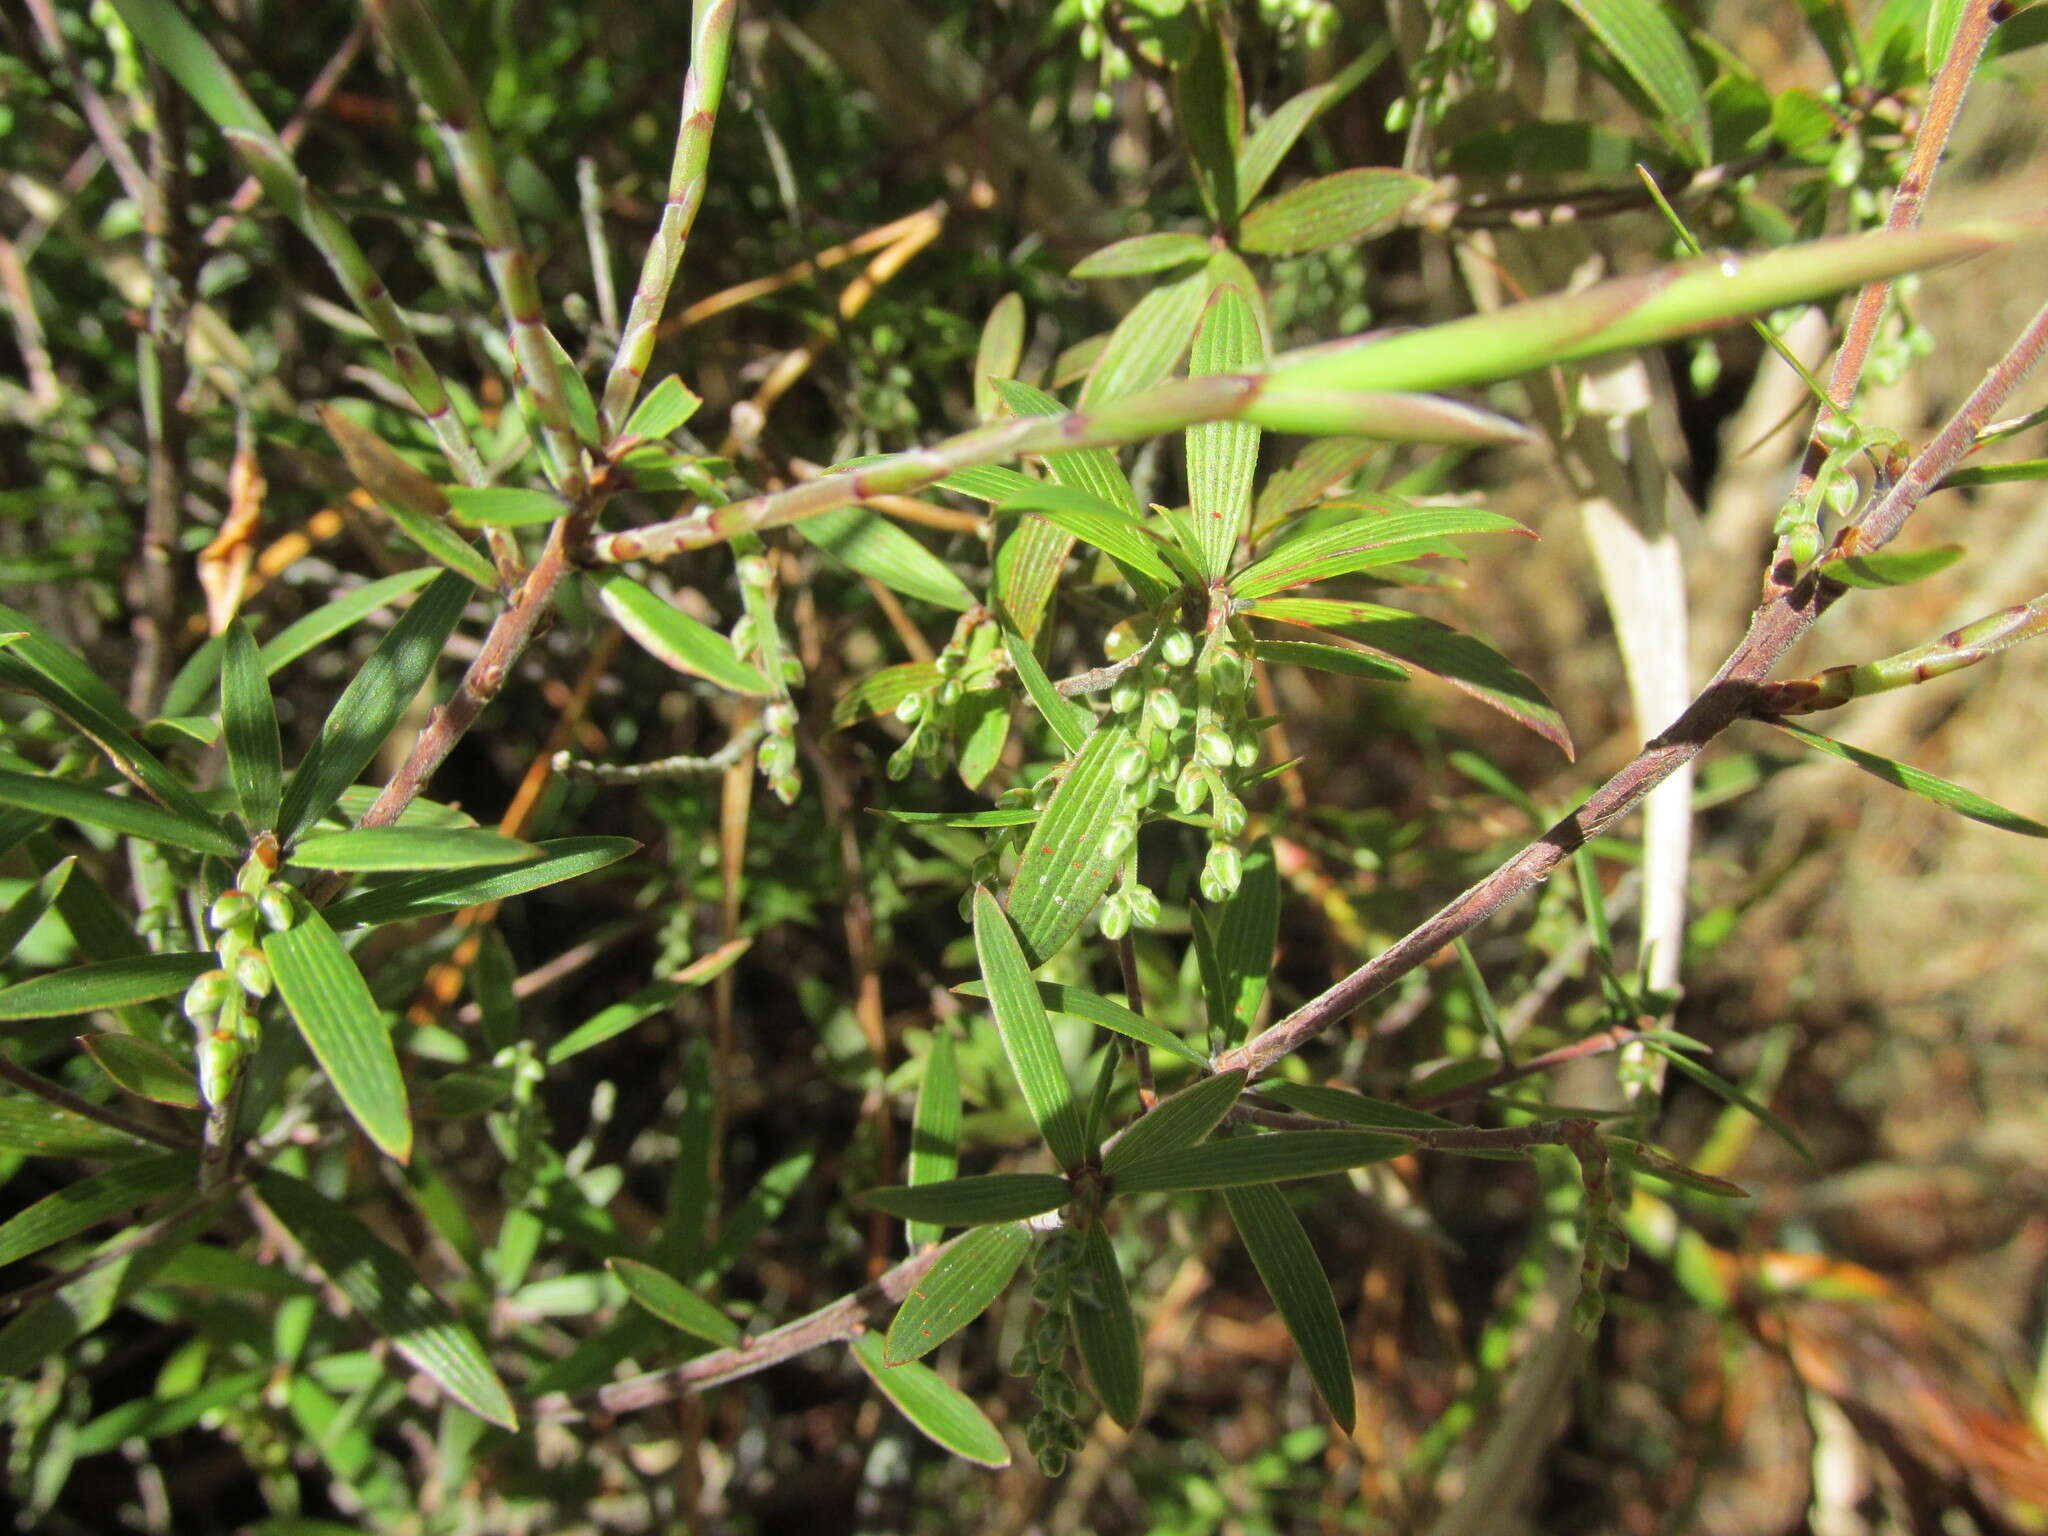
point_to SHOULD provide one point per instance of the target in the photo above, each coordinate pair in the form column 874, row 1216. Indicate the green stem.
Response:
column 1959, row 648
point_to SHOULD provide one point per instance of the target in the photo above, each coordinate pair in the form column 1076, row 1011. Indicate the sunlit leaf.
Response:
column 872, row 545
column 1079, row 1003
column 502, row 506
column 1267, row 145
column 1071, row 722
column 386, row 849
column 1349, row 206
column 1140, row 254
column 999, row 352
column 1328, row 658
column 1208, row 100
column 91, row 1200
column 133, row 761
column 941, row 1411
column 971, row 1202
column 1223, row 456
column 1026, row 1032
column 1918, row 781
column 1891, row 567
column 249, row 721
column 969, row 1275
column 1363, row 544
column 133, row 817
column 672, row 636
column 1063, row 871
column 343, row 1027
column 666, row 406
column 1149, row 343
column 675, row 1303
column 880, row 692
column 1640, row 36
column 1176, row 1122
column 385, row 1288
column 31, row 905
column 105, row 984
column 935, row 1127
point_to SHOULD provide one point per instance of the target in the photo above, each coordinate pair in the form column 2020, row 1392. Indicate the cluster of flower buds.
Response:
column 757, row 640
column 968, row 661
column 1059, row 1283
column 222, row 1003
column 1462, row 50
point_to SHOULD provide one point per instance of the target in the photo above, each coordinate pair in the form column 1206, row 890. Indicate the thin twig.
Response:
column 127, row 1244
column 661, row 769
column 106, row 131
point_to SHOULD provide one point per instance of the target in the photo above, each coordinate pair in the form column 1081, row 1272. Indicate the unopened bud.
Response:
column 252, row 973
column 231, row 909
column 1177, row 649
column 1162, row 708
column 275, row 905
column 207, row 995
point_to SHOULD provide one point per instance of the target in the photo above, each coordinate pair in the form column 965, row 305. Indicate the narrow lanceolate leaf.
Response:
column 1208, row 100
column 941, row 1411
column 880, row 692
column 1918, row 781
column 674, row 1303
column 30, row 906
column 872, row 545
column 972, row 1202
column 1108, row 528
column 1643, row 41
column 144, row 1068
column 1294, row 1278
column 983, row 721
column 1027, row 572
column 20, row 672
column 667, row 406
column 1000, row 351
column 372, row 704
column 1246, row 932
column 1105, row 1332
column 1265, row 1159
column 342, row 1026
column 1741, row 1098
column 1177, row 1122
column 108, row 984
column 412, row 501
column 29, row 1124
column 114, row 1271
column 501, row 506
column 1079, row 1003
column 249, row 721
column 1352, row 1108
column 63, row 666
column 562, row 858
column 1149, row 342
column 1223, row 456
column 1071, row 722
column 384, row 1288
column 1315, row 473
column 935, row 1129
column 1349, row 206
column 92, row 1200
column 1026, row 1032
column 957, row 1289
column 385, row 849
column 1141, row 254
column 614, row 1020
column 672, row 636
column 1267, row 145
column 1364, row 544
column 1625, row 312
column 1064, row 871
column 1328, row 658
column 1461, row 660
column 331, row 619
column 132, row 817
column 1891, row 568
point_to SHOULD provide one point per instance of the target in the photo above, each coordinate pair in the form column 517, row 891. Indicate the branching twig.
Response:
column 662, row 768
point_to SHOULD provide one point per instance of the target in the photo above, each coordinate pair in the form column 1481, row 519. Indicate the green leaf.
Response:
column 1079, row 1003
column 1178, row 1122
column 130, row 758
column 1008, row 816
column 342, row 1026
column 375, row 700
column 330, row 619
column 872, row 545
column 1063, row 872
column 675, row 1303
column 982, row 719
column 1728, row 1093
column 151, row 1418
column 1294, row 1278
column 384, row 849
column 1026, row 1032
column 672, row 636
column 969, row 1274
column 942, row 1412
column 1891, row 568
column 562, row 858
column 501, row 506
column 999, row 352
column 972, row 1202
column 995, row 482
column 1208, row 100
column 106, row 984
column 385, row 1289
column 411, row 500
column 1027, row 572
column 1223, row 456
column 1108, row 528
column 29, row 1124
column 667, row 406
column 44, row 653
column 1363, row 544
column 880, row 692
column 31, row 905
column 1313, row 474
column 174, row 43
column 1645, row 1159
column 1245, row 935
column 1927, row 786
column 614, row 1020
column 1148, row 343
column 1643, row 41
column 1328, row 658
column 1105, row 1333
column 117, row 1270
column 92, row 1200
column 1071, row 722
column 1141, row 254
column 1267, row 145
column 1267, row 1159
column 1944, row 20
column 1352, row 1108
column 1085, row 469
column 1348, row 207
column 48, row 796
column 1464, row 662
column 144, row 1068
column 249, row 721
column 935, row 1128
